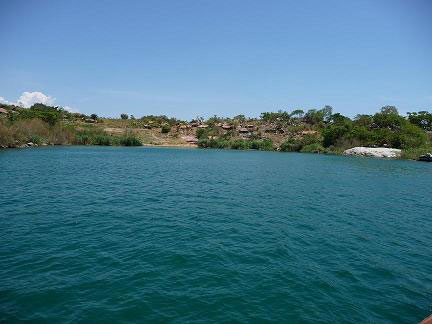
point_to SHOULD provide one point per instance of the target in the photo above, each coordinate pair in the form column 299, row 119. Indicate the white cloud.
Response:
column 70, row 109
column 4, row 101
column 27, row 99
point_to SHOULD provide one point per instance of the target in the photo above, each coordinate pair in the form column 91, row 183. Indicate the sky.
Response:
column 226, row 57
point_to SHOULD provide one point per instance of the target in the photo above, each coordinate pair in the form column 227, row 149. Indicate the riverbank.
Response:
column 360, row 152
column 314, row 131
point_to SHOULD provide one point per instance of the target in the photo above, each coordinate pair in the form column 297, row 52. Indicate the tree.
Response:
column 166, row 129
column 297, row 113
column 240, row 117
column 93, row 116
column 389, row 118
column 338, row 118
column 124, row 116
column 389, row 110
column 422, row 119
column 326, row 113
column 363, row 120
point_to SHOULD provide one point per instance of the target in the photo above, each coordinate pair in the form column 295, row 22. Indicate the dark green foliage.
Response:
column 281, row 116
column 166, row 129
column 332, row 133
column 48, row 114
column 313, row 148
column 239, row 144
column 389, row 110
column 240, row 117
column 124, row 116
column 296, row 144
column 93, row 116
column 156, row 121
column 130, row 141
column 298, row 113
column 388, row 119
column 422, row 119
column 339, row 119
column 363, row 120
column 97, row 136
column 315, row 117
column 37, row 139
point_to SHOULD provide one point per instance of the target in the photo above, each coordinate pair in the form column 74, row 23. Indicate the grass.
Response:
column 14, row 134
column 413, row 153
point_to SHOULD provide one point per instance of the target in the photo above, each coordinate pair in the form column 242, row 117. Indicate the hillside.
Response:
column 317, row 131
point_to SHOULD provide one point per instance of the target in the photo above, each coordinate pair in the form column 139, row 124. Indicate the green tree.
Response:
column 389, row 110
column 298, row 113
column 166, row 129
column 422, row 119
column 124, row 116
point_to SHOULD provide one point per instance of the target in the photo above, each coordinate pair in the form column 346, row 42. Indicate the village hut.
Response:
column 190, row 139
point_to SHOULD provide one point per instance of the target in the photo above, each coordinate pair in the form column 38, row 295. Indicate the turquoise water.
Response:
column 102, row 234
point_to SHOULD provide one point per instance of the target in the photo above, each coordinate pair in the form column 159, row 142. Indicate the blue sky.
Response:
column 226, row 57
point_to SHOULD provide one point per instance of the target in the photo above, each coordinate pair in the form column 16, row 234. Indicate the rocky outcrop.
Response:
column 377, row 152
column 425, row 157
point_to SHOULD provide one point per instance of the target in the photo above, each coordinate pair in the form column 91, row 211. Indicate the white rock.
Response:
column 378, row 152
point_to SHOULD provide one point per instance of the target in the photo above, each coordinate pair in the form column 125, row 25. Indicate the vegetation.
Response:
column 313, row 130
column 46, row 125
column 166, row 129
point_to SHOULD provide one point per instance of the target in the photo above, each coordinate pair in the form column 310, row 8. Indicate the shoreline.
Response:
column 195, row 146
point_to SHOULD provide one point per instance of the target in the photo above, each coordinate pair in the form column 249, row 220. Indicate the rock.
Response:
column 30, row 144
column 378, row 152
column 425, row 157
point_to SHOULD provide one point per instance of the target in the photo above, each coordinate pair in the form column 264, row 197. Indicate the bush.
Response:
column 422, row 119
column 36, row 139
column 333, row 133
column 130, row 141
column 291, row 145
column 6, row 136
column 313, row 148
column 165, row 129
column 410, row 136
column 296, row 144
column 105, row 140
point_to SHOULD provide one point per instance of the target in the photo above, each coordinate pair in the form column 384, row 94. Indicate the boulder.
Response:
column 30, row 144
column 425, row 157
column 377, row 152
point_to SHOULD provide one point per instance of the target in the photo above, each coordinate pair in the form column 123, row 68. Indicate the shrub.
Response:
column 333, row 133
column 165, row 129
column 295, row 144
column 240, row 145
column 130, row 141
column 313, row 148
column 105, row 140
column 422, row 119
column 6, row 136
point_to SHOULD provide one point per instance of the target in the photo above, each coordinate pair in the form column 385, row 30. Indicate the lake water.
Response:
column 107, row 234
